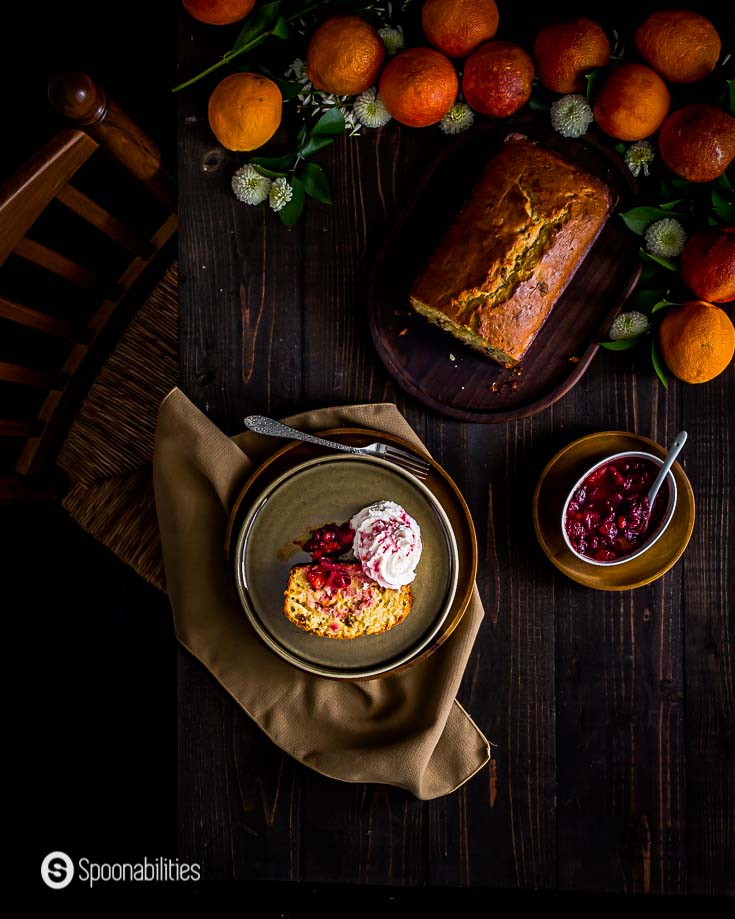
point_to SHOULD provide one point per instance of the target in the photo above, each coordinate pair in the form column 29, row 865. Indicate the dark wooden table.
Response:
column 612, row 715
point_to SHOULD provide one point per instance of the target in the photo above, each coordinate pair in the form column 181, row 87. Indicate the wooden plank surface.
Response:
column 611, row 769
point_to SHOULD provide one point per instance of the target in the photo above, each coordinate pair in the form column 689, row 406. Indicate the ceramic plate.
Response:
column 553, row 488
column 291, row 495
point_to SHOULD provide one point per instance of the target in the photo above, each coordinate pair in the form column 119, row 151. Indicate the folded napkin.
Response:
column 406, row 730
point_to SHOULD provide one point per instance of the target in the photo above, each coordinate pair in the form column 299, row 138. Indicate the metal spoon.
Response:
column 680, row 440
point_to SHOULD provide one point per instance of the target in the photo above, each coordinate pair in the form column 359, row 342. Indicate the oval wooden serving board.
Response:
column 438, row 369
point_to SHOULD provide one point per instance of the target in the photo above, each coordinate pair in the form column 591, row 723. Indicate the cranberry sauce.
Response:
column 329, row 541
column 329, row 574
column 608, row 516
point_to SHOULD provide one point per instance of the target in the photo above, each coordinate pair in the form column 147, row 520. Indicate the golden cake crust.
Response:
column 511, row 252
column 365, row 608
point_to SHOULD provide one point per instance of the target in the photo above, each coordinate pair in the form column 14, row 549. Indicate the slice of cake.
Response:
column 338, row 600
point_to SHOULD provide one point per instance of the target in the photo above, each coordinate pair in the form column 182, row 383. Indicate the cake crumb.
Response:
column 403, row 331
column 574, row 359
column 452, row 357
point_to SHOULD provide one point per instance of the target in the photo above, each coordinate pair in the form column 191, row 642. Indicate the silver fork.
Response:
column 272, row 428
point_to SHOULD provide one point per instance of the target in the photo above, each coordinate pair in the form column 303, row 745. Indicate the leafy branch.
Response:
column 661, row 286
column 268, row 19
column 303, row 177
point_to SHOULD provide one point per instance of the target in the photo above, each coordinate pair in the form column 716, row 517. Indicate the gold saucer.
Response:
column 552, row 489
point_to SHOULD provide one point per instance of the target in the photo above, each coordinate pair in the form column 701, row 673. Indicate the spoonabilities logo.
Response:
column 57, row 870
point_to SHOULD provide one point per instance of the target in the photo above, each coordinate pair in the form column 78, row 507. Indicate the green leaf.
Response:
column 315, row 182
column 666, row 190
column 712, row 221
column 621, row 345
column 658, row 259
column 731, row 96
column 258, row 25
column 639, row 218
column 314, row 144
column 591, row 80
column 280, row 29
column 650, row 273
column 658, row 364
column 644, row 300
column 538, row 105
column 619, row 148
column 670, row 205
column 681, row 184
column 269, row 173
column 291, row 212
column 278, row 163
column 289, row 88
column 304, row 7
column 723, row 207
column 662, row 304
column 724, row 183
column 331, row 122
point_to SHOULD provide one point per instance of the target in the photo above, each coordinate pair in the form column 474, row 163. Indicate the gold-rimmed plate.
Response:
column 307, row 486
column 552, row 490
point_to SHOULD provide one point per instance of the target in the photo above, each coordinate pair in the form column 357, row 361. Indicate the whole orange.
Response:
column 344, row 56
column 680, row 45
column 565, row 51
column 457, row 27
column 632, row 102
column 244, row 111
column 708, row 264
column 497, row 78
column 697, row 341
column 697, row 142
column 218, row 12
column 419, row 86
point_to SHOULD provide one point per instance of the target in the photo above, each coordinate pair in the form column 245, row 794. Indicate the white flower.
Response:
column 665, row 238
column 298, row 71
column 639, row 156
column 370, row 109
column 392, row 38
column 629, row 325
column 459, row 118
column 571, row 115
column 249, row 185
column 280, row 193
column 352, row 125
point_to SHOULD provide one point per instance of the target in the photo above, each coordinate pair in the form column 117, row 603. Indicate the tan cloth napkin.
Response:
column 406, row 730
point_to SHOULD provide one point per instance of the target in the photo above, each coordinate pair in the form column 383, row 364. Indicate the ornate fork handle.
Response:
column 272, row 428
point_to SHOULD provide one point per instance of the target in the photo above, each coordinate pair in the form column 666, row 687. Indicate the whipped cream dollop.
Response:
column 387, row 543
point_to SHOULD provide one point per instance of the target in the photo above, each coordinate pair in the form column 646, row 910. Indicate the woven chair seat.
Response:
column 108, row 451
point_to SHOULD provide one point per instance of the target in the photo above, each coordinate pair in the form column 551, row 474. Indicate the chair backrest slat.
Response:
column 60, row 265
column 12, row 427
column 92, row 212
column 29, row 376
column 34, row 319
column 14, row 489
column 89, row 322
column 25, row 196
column 77, row 97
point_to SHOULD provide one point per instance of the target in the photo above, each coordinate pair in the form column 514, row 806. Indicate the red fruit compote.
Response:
column 608, row 517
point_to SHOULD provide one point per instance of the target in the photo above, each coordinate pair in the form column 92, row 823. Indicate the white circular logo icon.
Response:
column 57, row 870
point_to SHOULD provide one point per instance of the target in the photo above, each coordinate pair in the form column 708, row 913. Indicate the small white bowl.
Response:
column 658, row 532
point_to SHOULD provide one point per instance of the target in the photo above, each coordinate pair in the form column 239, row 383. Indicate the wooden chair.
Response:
column 79, row 237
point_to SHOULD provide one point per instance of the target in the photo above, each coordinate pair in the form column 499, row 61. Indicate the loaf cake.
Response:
column 338, row 600
column 511, row 252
